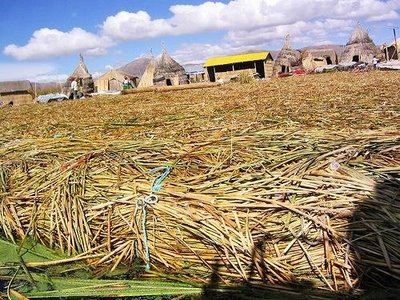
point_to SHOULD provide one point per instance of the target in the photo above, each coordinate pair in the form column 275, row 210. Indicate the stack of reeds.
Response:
column 266, row 205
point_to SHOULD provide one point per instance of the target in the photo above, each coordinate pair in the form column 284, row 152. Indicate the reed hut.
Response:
column 84, row 78
column 168, row 71
column 163, row 71
column 16, row 93
column 288, row 59
column 113, row 81
column 392, row 51
column 147, row 78
column 314, row 58
column 360, row 47
column 231, row 66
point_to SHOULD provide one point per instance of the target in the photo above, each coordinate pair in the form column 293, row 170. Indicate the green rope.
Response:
column 150, row 200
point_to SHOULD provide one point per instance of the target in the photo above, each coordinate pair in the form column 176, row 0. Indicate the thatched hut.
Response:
column 168, row 71
column 113, row 81
column 228, row 67
column 163, row 71
column 391, row 51
column 147, row 78
column 288, row 59
column 84, row 78
column 16, row 93
column 360, row 47
column 314, row 58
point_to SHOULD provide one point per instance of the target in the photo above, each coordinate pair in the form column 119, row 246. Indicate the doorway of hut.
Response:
column 260, row 69
column 328, row 60
column 356, row 58
column 113, row 85
column 168, row 82
column 211, row 74
column 284, row 69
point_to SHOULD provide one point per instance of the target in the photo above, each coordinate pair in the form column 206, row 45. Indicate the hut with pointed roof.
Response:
column 229, row 67
column 168, row 71
column 14, row 93
column 113, row 80
column 84, row 78
column 163, row 71
column 147, row 78
column 360, row 47
column 288, row 59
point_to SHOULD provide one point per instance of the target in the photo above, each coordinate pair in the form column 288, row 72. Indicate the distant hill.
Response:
column 46, row 87
column 136, row 67
column 42, row 85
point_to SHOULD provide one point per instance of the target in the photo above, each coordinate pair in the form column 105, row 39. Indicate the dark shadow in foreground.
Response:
column 375, row 240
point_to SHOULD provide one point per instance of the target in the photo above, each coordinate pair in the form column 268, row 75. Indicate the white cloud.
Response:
column 250, row 15
column 392, row 15
column 134, row 26
column 198, row 53
column 47, row 43
column 38, row 72
column 250, row 23
column 315, row 32
column 269, row 38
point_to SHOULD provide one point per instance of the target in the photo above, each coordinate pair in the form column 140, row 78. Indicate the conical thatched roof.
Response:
column 360, row 47
column 161, row 70
column 287, row 57
column 148, row 75
column 167, row 65
column 359, row 35
column 81, row 70
column 85, row 78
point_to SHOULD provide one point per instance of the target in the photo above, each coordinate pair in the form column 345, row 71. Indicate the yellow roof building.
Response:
column 239, row 58
column 228, row 68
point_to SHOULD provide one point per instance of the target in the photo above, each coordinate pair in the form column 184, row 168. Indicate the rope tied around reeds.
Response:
column 150, row 200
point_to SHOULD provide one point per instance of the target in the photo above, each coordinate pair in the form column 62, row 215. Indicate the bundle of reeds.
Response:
column 276, row 206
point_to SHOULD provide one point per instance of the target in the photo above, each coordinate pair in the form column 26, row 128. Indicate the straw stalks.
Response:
column 262, row 206
column 287, row 181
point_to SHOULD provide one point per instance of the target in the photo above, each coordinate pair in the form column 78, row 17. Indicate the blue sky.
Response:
column 40, row 40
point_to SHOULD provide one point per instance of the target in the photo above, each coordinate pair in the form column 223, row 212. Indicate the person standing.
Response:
column 74, row 88
column 127, row 83
column 375, row 62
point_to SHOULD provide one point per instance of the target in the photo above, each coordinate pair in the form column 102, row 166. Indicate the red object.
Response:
column 284, row 74
column 299, row 72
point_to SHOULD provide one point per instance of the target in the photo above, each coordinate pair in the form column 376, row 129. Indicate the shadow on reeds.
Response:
column 375, row 240
column 252, row 289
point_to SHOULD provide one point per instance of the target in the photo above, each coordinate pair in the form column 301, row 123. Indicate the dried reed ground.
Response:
column 331, row 102
column 241, row 159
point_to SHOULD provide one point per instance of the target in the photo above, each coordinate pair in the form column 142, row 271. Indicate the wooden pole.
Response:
column 395, row 43
column 386, row 51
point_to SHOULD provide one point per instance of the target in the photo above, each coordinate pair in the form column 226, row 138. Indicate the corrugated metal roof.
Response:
column 232, row 59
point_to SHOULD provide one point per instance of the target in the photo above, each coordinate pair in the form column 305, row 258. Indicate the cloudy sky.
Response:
column 41, row 40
